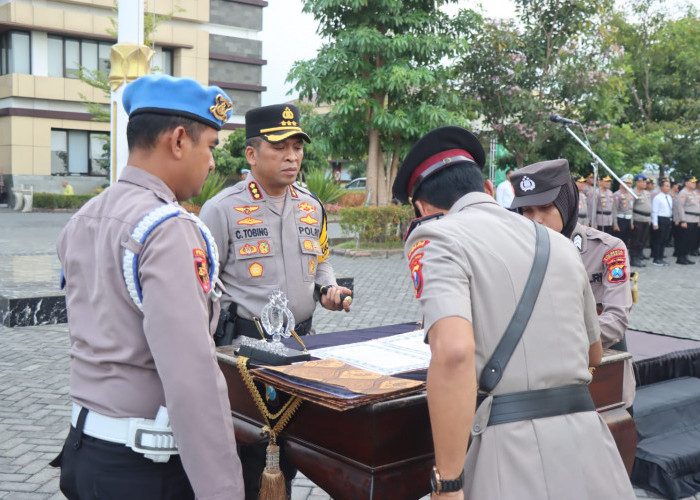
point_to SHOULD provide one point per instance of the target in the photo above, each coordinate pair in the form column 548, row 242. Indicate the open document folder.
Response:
column 353, row 375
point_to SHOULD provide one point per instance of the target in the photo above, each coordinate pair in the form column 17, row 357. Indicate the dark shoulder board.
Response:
column 417, row 222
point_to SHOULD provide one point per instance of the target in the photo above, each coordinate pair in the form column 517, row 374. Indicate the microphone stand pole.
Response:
column 597, row 159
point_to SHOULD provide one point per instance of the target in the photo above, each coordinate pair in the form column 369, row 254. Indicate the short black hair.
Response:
column 447, row 186
column 143, row 129
column 254, row 142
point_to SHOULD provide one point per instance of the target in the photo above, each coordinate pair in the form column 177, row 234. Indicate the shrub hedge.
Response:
column 376, row 224
column 53, row 201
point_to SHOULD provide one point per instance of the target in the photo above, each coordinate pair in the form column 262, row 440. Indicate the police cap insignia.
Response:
column 169, row 95
column 444, row 147
column 274, row 123
column 539, row 184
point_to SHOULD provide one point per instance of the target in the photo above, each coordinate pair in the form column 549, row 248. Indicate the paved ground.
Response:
column 34, row 408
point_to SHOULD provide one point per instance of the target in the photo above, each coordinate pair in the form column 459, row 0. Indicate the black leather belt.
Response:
column 542, row 403
column 641, row 213
column 582, row 216
column 693, row 213
column 247, row 327
column 604, row 213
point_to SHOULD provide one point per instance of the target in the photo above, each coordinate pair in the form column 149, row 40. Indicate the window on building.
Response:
column 162, row 61
column 15, row 52
column 67, row 55
column 78, row 152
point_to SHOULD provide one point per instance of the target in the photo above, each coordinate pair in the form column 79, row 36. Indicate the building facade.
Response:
column 47, row 133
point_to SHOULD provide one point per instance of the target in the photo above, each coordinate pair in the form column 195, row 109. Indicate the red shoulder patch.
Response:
column 201, row 268
column 617, row 266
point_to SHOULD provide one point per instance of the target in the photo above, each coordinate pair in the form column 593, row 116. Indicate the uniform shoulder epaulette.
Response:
column 420, row 220
column 140, row 233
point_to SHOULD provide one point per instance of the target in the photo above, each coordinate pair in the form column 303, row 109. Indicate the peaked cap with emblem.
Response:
column 539, row 184
column 438, row 149
column 274, row 123
column 169, row 95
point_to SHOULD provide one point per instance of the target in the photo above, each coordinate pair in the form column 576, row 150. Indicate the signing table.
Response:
column 384, row 449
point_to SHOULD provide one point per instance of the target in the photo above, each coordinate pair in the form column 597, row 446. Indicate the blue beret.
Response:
column 164, row 94
column 640, row 177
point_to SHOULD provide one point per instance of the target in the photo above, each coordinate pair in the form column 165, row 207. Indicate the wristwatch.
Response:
column 440, row 485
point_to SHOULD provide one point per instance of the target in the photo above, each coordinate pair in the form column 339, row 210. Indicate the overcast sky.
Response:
column 289, row 35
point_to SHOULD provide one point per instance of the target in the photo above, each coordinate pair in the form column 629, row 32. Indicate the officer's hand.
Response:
column 331, row 300
column 616, row 228
column 656, row 228
column 684, row 225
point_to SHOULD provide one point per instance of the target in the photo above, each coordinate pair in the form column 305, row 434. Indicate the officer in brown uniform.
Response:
column 624, row 202
column 604, row 256
column 603, row 204
column 582, row 202
column 151, row 414
column 469, row 260
column 687, row 216
column 271, row 235
column 641, row 221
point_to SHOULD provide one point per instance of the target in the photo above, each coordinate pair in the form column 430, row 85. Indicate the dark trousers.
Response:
column 606, row 229
column 687, row 239
column 659, row 237
column 93, row 468
column 624, row 232
column 638, row 238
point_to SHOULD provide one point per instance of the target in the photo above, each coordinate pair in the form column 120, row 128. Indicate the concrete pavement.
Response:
column 34, row 406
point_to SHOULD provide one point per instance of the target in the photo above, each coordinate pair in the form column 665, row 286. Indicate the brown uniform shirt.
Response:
column 604, row 204
column 262, row 248
column 473, row 263
column 582, row 209
column 623, row 203
column 688, row 204
column 642, row 206
column 127, row 363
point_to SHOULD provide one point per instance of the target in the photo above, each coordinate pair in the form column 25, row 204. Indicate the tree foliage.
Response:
column 381, row 70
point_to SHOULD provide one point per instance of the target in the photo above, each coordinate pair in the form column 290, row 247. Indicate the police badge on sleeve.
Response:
column 617, row 267
column 202, row 269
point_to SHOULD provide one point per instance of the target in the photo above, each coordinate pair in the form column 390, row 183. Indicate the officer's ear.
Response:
column 488, row 188
column 175, row 141
column 251, row 155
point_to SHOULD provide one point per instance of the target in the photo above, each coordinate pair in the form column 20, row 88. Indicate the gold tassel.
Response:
column 272, row 483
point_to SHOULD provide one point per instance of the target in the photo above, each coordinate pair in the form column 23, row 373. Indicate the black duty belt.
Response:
column 542, row 403
column 693, row 213
column 641, row 213
column 249, row 329
column 604, row 213
column 582, row 216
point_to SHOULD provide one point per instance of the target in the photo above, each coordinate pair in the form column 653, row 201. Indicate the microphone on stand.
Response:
column 560, row 119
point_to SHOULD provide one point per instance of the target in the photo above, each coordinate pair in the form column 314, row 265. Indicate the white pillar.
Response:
column 129, row 34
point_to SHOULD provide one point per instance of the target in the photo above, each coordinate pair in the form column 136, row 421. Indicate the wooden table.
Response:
column 385, row 450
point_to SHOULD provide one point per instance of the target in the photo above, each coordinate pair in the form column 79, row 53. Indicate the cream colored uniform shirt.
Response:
column 473, row 263
column 127, row 363
column 262, row 248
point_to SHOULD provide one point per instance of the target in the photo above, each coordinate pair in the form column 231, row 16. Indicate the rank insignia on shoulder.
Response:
column 420, row 220
column 248, row 209
column 201, row 268
column 254, row 191
column 617, row 267
column 312, row 265
column 255, row 270
column 249, row 221
column 307, row 207
column 308, row 220
column 293, row 192
column 578, row 242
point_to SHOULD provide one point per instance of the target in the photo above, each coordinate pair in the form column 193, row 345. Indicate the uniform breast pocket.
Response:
column 256, row 262
column 310, row 251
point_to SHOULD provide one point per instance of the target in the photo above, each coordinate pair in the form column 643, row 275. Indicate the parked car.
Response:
column 358, row 183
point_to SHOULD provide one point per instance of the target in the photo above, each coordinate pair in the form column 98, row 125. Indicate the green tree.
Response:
column 381, row 70
column 557, row 57
column 230, row 157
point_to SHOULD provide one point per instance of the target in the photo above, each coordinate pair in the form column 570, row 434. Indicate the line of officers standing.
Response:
column 653, row 217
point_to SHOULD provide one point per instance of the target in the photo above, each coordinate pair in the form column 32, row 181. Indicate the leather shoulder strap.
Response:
column 493, row 370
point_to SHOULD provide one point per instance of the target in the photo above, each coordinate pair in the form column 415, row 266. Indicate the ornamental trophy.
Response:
column 277, row 321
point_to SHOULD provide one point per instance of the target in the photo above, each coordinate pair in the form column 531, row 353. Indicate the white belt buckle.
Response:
column 155, row 442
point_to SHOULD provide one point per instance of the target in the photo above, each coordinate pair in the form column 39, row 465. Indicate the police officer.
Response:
column 688, row 216
column 641, row 220
column 603, row 204
column 271, row 234
column 469, row 260
column 151, row 416
column 624, row 202
column 604, row 256
column 582, row 202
